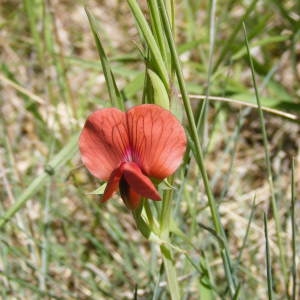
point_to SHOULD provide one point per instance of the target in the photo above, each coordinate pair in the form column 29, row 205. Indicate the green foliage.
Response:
column 236, row 93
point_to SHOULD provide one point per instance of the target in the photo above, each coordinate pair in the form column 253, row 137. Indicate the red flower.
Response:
column 126, row 149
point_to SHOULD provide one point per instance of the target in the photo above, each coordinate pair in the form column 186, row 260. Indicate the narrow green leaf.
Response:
column 176, row 106
column 229, row 41
column 285, row 13
column 237, row 292
column 194, row 134
column 262, row 42
column 151, row 43
column 160, row 93
column 140, row 222
column 114, row 93
column 31, row 12
column 268, row 260
column 157, row 289
column 166, row 185
column 213, row 232
column 30, row 104
column 135, row 85
column 206, row 286
column 166, row 211
column 165, row 222
column 171, row 272
column 246, row 234
column 53, row 166
column 157, row 27
column 100, row 190
column 293, row 221
column 268, row 165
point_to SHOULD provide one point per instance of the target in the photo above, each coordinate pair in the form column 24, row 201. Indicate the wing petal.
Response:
column 157, row 140
column 140, row 183
column 103, row 142
column 113, row 184
column 131, row 198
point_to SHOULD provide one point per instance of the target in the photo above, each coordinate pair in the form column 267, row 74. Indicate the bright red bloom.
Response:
column 126, row 149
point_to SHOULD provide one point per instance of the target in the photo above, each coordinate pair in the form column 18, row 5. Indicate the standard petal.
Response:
column 157, row 140
column 113, row 184
column 140, row 183
column 103, row 142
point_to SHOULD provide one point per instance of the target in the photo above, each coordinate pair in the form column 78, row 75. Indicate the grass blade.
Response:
column 171, row 272
column 293, row 221
column 230, row 40
column 203, row 117
column 268, row 163
column 198, row 150
column 160, row 94
column 285, row 13
column 157, row 27
column 154, row 49
column 268, row 260
column 114, row 93
column 30, row 9
column 247, row 233
column 53, row 166
column 277, row 112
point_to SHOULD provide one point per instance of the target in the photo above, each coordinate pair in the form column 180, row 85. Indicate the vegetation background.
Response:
column 58, row 242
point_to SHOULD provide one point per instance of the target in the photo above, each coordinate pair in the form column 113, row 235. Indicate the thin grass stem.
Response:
column 151, row 42
column 45, row 241
column 247, row 233
column 202, row 121
column 157, row 27
column 114, row 93
column 269, row 170
column 268, row 260
column 198, row 151
column 63, row 70
column 274, row 111
column 293, row 223
column 229, row 41
column 30, row 9
column 58, row 160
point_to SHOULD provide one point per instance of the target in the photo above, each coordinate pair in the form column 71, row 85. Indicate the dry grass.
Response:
column 63, row 244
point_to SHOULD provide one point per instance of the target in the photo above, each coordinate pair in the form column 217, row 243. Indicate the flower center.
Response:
column 128, row 155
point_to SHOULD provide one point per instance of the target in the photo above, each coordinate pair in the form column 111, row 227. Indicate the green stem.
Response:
column 268, row 260
column 170, row 270
column 153, row 47
column 157, row 27
column 294, row 263
column 166, row 212
column 30, row 9
column 269, row 171
column 197, row 149
column 165, row 246
column 228, row 43
column 140, row 222
column 114, row 93
column 166, row 251
column 149, row 214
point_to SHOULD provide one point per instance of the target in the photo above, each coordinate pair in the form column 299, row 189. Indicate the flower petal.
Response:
column 113, row 184
column 157, row 140
column 103, row 142
column 129, row 196
column 140, row 183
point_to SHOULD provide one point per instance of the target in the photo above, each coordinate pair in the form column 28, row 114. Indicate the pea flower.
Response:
column 128, row 148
